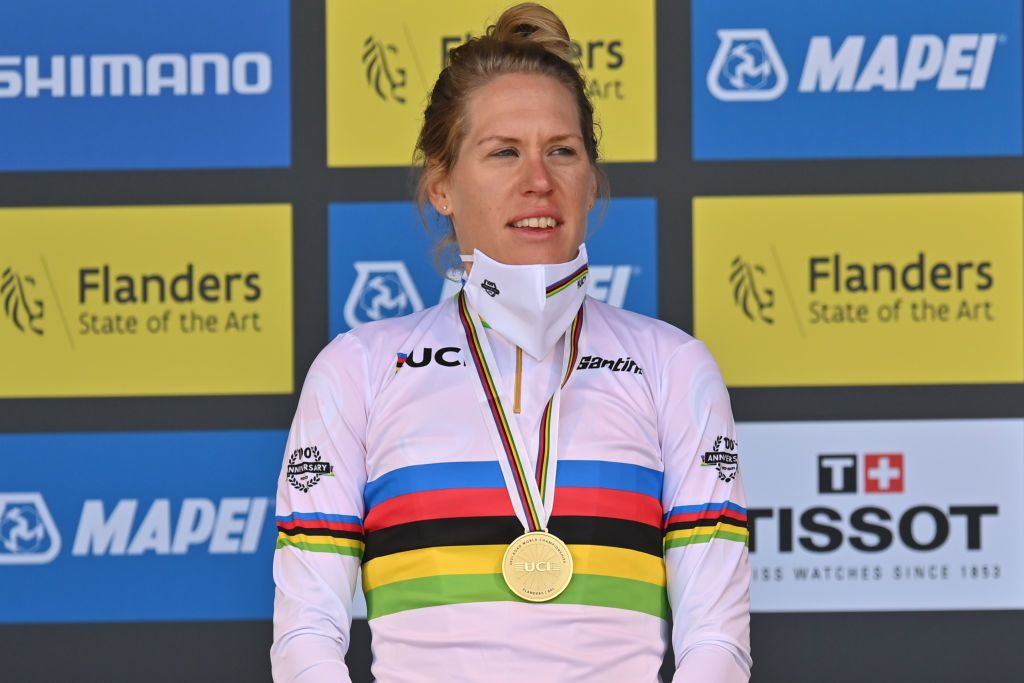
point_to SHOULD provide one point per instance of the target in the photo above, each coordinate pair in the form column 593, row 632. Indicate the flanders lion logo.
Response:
column 385, row 79
column 25, row 312
column 755, row 301
column 305, row 467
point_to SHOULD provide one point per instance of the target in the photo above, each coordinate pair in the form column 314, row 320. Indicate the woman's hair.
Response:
column 527, row 38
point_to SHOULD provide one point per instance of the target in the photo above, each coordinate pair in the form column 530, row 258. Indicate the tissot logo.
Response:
column 383, row 72
column 21, row 305
column 883, row 473
column 837, row 473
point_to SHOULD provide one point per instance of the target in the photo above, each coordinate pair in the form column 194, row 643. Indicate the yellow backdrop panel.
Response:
column 146, row 301
column 862, row 290
column 383, row 58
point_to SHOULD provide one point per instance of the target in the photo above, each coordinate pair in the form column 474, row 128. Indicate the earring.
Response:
column 444, row 209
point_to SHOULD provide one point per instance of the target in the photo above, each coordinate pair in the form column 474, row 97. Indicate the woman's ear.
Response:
column 437, row 189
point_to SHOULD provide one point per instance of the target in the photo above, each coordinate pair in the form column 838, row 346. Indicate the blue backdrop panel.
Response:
column 92, row 85
column 381, row 261
column 856, row 78
column 137, row 526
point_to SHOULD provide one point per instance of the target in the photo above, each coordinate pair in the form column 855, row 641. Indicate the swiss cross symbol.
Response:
column 883, row 473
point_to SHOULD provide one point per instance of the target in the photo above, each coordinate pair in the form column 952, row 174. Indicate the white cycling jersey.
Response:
column 390, row 466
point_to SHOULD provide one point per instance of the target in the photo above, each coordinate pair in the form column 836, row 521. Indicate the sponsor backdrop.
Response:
column 195, row 201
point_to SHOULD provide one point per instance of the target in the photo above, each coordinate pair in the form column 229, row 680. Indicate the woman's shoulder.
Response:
column 376, row 343
column 652, row 333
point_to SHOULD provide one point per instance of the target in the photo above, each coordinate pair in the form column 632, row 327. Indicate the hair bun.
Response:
column 533, row 23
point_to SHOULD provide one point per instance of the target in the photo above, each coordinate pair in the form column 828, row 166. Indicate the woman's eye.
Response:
column 564, row 151
column 506, row 153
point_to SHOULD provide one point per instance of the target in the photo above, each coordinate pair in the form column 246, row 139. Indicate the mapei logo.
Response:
column 747, row 67
column 227, row 526
column 21, row 306
column 755, row 300
column 383, row 289
column 27, row 532
column 383, row 73
column 883, row 473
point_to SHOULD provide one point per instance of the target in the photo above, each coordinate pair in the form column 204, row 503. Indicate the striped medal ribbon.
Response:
column 537, row 566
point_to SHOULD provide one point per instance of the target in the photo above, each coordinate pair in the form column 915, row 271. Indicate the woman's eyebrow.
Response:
column 505, row 139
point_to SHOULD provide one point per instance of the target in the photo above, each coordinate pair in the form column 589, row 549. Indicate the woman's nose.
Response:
column 536, row 175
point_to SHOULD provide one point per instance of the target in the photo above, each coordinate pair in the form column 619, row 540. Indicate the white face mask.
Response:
column 531, row 306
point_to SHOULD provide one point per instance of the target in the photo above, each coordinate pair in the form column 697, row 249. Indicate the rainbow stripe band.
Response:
column 436, row 533
column 566, row 282
column 691, row 524
column 321, row 533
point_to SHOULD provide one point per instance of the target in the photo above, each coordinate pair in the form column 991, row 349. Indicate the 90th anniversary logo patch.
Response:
column 305, row 467
column 725, row 461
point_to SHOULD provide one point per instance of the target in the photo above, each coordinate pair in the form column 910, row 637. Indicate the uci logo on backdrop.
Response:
column 381, row 261
column 152, row 85
column 791, row 80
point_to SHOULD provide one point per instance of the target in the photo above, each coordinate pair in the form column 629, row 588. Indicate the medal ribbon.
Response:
column 532, row 497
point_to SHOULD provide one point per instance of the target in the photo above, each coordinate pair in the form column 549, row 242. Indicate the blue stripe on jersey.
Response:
column 319, row 516
column 487, row 474
column 706, row 507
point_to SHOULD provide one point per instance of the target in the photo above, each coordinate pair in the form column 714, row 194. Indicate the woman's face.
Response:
column 522, row 184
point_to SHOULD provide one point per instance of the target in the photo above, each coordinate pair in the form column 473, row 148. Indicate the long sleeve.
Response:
column 320, row 519
column 706, row 558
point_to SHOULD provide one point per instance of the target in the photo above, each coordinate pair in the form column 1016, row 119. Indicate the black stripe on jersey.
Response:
column 430, row 533
column 693, row 524
column 320, row 531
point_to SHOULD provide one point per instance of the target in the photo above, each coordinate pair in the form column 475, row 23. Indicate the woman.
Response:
column 476, row 565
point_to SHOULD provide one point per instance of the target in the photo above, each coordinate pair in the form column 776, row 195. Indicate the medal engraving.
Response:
column 537, row 566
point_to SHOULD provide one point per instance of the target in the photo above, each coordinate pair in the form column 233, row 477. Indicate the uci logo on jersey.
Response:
column 747, row 67
column 383, row 289
column 27, row 532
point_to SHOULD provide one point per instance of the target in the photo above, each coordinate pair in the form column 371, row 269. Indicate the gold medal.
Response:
column 537, row 566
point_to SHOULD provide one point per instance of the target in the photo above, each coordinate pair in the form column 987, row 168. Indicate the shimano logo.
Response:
column 747, row 66
column 225, row 526
column 117, row 75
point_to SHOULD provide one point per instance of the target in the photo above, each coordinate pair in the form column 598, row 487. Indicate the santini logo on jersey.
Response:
column 747, row 66
column 117, row 75
column 617, row 365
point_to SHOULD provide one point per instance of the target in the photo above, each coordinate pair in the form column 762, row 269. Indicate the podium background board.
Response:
column 782, row 175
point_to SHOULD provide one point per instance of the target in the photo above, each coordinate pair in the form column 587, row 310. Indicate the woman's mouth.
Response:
column 539, row 222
